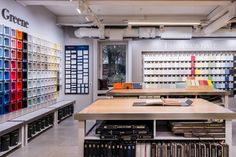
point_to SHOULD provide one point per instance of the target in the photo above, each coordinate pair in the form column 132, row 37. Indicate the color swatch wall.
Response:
column 29, row 70
column 165, row 69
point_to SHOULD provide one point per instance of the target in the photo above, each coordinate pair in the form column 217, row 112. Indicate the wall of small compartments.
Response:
column 165, row 69
column 29, row 70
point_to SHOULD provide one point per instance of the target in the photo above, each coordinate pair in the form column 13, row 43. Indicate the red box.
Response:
column 19, row 45
column 19, row 65
column 13, row 107
column 193, row 65
column 19, row 75
column 19, row 85
column 193, row 72
column 13, row 75
column 19, row 105
column 13, row 64
column 13, row 54
column 13, row 96
column 13, row 86
column 19, row 55
column 19, row 35
column 19, row 95
column 193, row 58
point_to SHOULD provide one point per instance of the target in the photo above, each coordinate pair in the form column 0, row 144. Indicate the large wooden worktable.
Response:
column 123, row 109
column 168, row 92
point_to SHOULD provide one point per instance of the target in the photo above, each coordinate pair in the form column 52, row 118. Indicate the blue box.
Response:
column 6, row 86
column 1, row 87
column 7, row 41
column 13, row 33
column 1, row 40
column 1, row 100
column 6, row 53
column 6, row 75
column 1, row 75
column 6, row 64
column 6, row 98
column 137, row 85
column 1, row 110
column 6, row 108
column 1, row 63
column 7, row 31
column 1, row 52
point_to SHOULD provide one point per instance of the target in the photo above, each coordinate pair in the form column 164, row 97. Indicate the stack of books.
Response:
column 125, row 130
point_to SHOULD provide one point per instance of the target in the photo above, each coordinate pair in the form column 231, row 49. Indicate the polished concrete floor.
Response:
column 63, row 142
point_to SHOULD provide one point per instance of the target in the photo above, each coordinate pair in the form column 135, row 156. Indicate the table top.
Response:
column 164, row 91
column 123, row 109
column 62, row 104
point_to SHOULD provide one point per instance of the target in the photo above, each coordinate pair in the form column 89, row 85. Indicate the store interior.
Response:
column 57, row 57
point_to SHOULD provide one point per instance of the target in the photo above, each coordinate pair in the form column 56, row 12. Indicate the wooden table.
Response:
column 123, row 109
column 169, row 92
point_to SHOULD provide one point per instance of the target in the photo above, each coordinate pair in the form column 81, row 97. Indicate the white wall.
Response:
column 81, row 100
column 220, row 44
column 42, row 24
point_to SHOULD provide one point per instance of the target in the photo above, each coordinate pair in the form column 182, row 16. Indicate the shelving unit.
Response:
column 29, row 69
column 167, row 69
column 123, row 109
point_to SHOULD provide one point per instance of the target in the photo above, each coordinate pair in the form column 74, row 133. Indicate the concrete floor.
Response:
column 63, row 142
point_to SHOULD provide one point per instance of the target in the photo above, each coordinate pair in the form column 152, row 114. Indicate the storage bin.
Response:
column 6, row 53
column 19, row 35
column 1, row 52
column 1, row 40
column 34, row 92
column 6, row 75
column 5, row 142
column 1, row 100
column 24, row 103
column 38, row 83
column 6, row 108
column 13, row 107
column 19, row 95
column 25, row 36
column 25, row 56
column 19, row 45
column 19, row 55
column 19, row 86
column 24, row 65
column 19, row 75
column 13, row 96
column 6, row 64
column 6, row 86
column 38, row 100
column 30, row 84
column 6, row 41
column 19, row 105
column 24, row 94
column 1, row 75
column 30, row 76
column 39, row 91
column 25, row 46
column 6, row 98
column 34, row 101
column 13, row 64
column 13, row 43
column 13, row 33
column 34, row 83
column 1, row 110
column 14, row 138
column 30, row 47
column 19, row 65
column 1, row 87
column 7, row 31
column 1, row 64
column 13, row 75
column 13, row 53
column 13, row 86
column 30, row 102
column 24, row 75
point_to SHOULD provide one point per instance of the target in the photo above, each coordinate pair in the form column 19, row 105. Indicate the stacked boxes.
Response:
column 29, row 70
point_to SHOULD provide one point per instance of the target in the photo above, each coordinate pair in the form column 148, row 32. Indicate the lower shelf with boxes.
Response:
column 165, row 138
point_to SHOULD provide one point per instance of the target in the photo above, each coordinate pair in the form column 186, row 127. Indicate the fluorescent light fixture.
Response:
column 78, row 10
column 87, row 19
column 144, row 23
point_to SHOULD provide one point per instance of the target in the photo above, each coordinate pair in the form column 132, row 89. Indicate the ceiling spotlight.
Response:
column 87, row 19
column 78, row 10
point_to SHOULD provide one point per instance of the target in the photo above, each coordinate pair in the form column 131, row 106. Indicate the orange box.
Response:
column 127, row 86
column 117, row 85
column 19, row 35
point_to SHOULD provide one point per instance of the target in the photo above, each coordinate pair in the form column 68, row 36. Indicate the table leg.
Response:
column 226, row 101
column 81, row 137
column 22, row 136
column 228, row 135
column 26, row 134
column 55, row 123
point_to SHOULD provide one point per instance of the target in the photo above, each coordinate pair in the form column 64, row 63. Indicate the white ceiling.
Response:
column 117, row 11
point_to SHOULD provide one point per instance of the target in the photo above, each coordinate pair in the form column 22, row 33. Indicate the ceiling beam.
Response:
column 127, row 2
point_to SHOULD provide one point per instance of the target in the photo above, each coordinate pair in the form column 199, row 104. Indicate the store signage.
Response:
column 14, row 19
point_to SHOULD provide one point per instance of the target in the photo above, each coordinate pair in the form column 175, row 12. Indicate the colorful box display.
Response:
column 26, row 62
